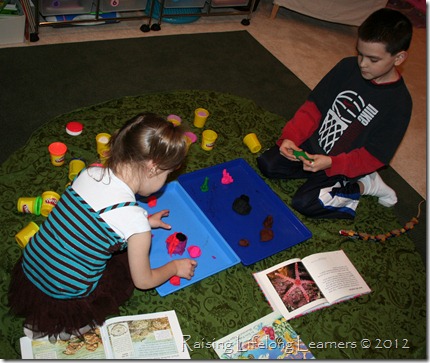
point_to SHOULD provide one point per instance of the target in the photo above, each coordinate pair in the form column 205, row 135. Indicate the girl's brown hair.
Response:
column 147, row 137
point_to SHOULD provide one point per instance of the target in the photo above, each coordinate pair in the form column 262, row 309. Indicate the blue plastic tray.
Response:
column 187, row 218
column 217, row 204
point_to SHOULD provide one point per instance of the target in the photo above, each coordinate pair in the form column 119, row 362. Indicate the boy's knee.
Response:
column 263, row 165
column 307, row 204
column 313, row 208
column 301, row 205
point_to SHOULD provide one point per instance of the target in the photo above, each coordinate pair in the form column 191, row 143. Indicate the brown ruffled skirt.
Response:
column 50, row 317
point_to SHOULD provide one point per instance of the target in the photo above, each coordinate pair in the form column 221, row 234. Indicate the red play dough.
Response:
column 176, row 243
column 175, row 280
column 152, row 201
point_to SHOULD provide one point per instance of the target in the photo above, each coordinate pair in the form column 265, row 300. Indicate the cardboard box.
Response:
column 12, row 27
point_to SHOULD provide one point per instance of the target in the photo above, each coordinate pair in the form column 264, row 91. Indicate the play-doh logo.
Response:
column 51, row 201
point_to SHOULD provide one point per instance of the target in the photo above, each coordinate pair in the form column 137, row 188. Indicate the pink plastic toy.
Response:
column 226, row 177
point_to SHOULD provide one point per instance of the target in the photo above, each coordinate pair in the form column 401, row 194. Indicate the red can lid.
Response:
column 74, row 128
column 57, row 148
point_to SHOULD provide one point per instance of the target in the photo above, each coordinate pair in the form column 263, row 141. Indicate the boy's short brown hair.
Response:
column 387, row 26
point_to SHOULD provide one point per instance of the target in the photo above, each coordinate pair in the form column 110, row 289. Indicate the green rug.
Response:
column 49, row 80
column 392, row 317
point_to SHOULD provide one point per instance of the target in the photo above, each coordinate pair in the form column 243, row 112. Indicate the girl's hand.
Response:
column 185, row 268
column 156, row 222
column 144, row 277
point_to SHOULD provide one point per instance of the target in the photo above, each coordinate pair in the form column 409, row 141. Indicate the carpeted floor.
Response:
column 249, row 89
column 45, row 81
column 222, row 303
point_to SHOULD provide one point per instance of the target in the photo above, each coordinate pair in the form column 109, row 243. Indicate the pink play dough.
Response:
column 194, row 251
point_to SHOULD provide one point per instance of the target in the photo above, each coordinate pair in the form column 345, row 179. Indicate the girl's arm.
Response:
column 144, row 277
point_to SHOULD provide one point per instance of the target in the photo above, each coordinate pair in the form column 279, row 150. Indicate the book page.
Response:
column 90, row 346
column 147, row 336
column 336, row 276
column 290, row 289
column 270, row 337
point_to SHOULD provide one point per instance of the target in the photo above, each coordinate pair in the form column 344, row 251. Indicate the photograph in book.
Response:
column 89, row 346
column 299, row 286
column 270, row 337
column 146, row 336
column 294, row 285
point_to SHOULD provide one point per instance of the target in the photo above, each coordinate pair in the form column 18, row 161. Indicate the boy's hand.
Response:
column 302, row 154
column 156, row 222
column 320, row 162
column 312, row 163
column 287, row 149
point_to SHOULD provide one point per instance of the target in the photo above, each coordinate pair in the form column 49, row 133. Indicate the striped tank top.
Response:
column 67, row 256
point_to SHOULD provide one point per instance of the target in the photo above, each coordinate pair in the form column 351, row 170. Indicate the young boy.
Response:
column 350, row 126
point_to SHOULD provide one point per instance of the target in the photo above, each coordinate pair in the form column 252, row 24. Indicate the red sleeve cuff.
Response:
column 355, row 163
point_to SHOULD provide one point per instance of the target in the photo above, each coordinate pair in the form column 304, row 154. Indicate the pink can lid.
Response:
column 74, row 128
column 191, row 136
column 174, row 117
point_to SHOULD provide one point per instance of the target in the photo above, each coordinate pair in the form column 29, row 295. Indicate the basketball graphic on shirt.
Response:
column 345, row 109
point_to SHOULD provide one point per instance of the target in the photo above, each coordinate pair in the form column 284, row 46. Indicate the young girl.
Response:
column 93, row 249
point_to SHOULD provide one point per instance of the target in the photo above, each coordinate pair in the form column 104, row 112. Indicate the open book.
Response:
column 299, row 286
column 147, row 336
column 270, row 337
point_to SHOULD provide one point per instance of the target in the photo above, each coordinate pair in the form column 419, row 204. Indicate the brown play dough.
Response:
column 268, row 222
column 244, row 242
column 266, row 234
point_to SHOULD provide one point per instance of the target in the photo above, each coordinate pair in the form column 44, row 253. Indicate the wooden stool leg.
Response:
column 274, row 11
